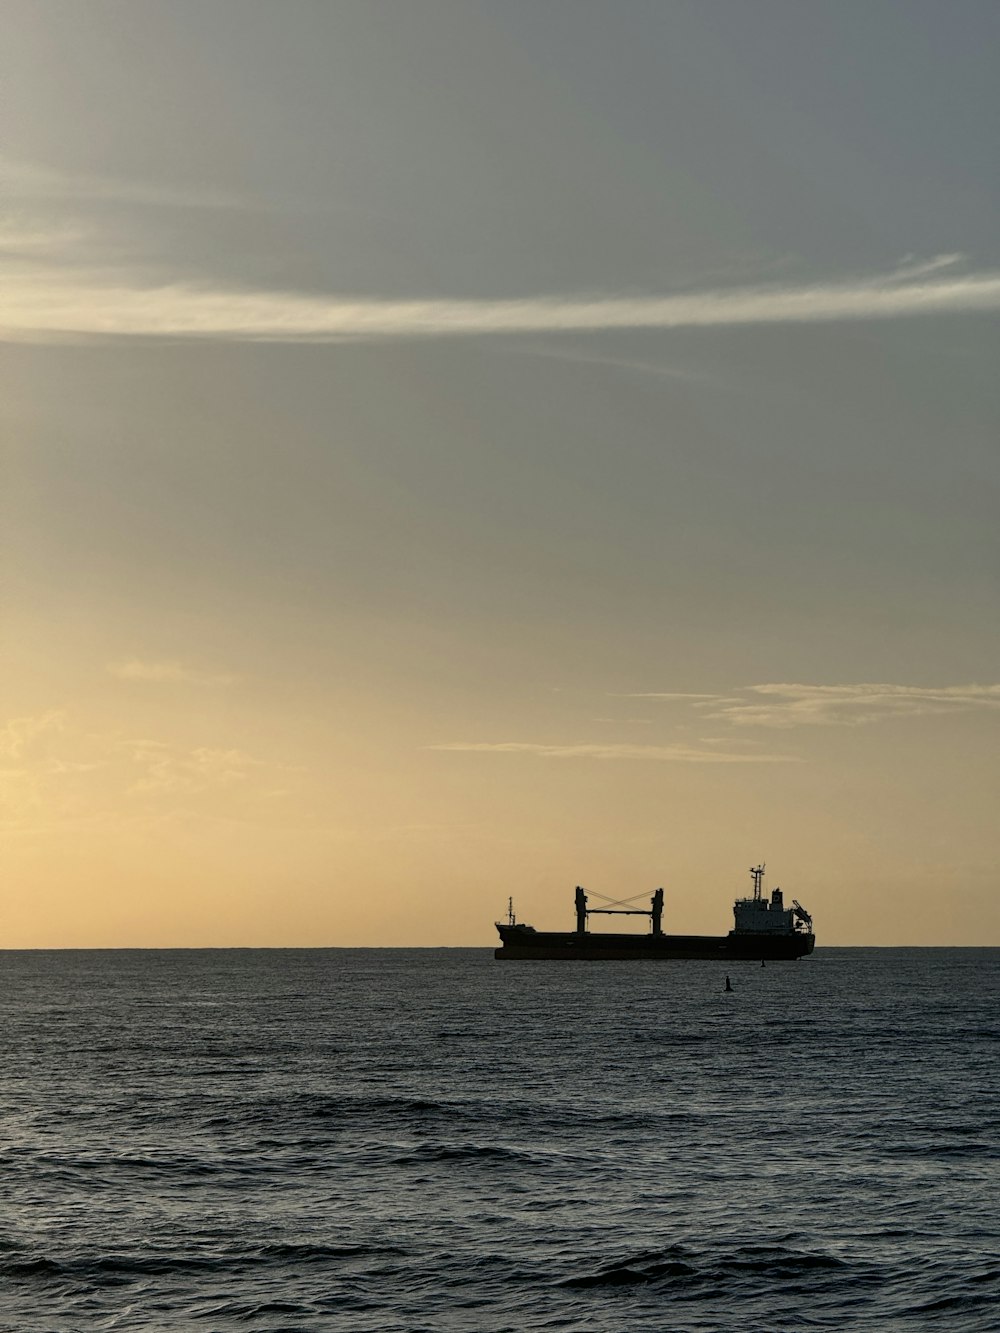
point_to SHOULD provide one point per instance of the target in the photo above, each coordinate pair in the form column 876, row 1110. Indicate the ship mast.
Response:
column 758, row 874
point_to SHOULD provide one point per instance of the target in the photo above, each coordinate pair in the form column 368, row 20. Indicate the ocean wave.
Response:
column 689, row 1267
column 175, row 1262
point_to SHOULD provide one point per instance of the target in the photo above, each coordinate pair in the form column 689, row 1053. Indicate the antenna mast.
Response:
column 758, row 874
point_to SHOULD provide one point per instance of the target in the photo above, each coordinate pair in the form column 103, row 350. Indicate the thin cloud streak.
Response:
column 45, row 302
column 577, row 356
column 910, row 267
column 169, row 770
column 166, row 673
column 683, row 754
column 664, row 695
column 787, row 705
column 35, row 182
column 792, row 705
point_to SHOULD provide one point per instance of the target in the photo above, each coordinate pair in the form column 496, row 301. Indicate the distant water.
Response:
column 396, row 1140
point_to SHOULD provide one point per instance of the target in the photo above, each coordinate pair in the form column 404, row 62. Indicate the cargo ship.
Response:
column 764, row 928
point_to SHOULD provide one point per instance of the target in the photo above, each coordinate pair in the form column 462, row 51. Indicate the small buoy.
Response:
column 729, row 984
column 762, row 962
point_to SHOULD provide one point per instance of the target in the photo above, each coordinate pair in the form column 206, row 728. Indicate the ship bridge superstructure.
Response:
column 760, row 915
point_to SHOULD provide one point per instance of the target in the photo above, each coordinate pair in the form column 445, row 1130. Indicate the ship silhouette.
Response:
column 764, row 928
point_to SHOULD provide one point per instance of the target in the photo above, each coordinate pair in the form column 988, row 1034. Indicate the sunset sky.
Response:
column 455, row 450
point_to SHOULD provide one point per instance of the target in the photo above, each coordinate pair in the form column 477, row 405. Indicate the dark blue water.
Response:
column 427, row 1140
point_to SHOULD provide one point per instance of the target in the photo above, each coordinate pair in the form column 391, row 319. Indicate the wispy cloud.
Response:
column 664, row 695
column 791, row 705
column 21, row 733
column 166, row 673
column 23, row 237
column 576, row 355
column 674, row 754
column 56, row 773
column 36, row 182
column 51, row 300
column 910, row 267
column 779, row 706
column 33, row 762
column 795, row 705
column 626, row 721
column 166, row 769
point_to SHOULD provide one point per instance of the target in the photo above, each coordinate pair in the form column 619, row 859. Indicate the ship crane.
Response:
column 619, row 907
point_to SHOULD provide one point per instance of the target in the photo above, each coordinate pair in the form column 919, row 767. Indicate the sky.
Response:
column 461, row 450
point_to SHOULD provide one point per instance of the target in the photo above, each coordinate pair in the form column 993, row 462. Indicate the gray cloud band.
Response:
column 47, row 303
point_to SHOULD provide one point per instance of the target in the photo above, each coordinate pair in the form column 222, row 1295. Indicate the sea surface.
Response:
column 430, row 1140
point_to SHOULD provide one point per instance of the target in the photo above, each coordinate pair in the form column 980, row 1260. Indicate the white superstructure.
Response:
column 761, row 916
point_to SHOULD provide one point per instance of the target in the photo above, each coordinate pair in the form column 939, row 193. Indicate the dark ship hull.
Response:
column 522, row 942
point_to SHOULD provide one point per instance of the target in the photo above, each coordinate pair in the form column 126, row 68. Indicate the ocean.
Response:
column 408, row 1140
